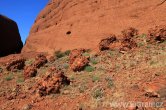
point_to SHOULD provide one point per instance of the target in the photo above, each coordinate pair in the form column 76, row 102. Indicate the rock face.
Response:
column 70, row 24
column 10, row 40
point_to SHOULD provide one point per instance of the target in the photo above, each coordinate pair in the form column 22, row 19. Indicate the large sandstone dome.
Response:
column 10, row 40
column 69, row 24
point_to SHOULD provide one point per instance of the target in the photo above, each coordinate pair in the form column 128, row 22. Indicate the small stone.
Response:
column 27, row 107
column 65, row 92
column 23, row 96
column 156, row 89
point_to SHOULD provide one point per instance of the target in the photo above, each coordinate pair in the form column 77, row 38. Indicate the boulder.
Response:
column 40, row 60
column 30, row 71
column 79, row 63
column 15, row 64
column 51, row 83
column 157, row 34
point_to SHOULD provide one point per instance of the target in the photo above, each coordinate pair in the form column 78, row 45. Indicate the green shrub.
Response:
column 112, row 53
column 9, row 77
column 82, row 88
column 66, row 65
column 67, row 52
column 95, row 78
column 98, row 93
column 109, row 82
column 140, row 44
column 1, row 70
column 143, row 35
column 93, row 61
column 86, row 54
column 88, row 50
column 153, row 62
column 89, row 69
column 29, row 62
column 72, row 78
column 20, row 80
column 59, row 54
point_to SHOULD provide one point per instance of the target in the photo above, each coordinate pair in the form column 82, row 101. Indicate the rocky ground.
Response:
column 127, row 69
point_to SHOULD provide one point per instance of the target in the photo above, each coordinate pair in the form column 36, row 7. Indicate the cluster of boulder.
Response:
column 31, row 70
column 15, row 64
column 157, row 34
column 126, row 40
column 51, row 82
column 77, row 60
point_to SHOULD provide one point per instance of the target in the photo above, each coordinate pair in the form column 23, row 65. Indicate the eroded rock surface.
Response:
column 69, row 24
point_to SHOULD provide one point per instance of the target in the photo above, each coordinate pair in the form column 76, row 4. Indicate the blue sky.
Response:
column 24, row 12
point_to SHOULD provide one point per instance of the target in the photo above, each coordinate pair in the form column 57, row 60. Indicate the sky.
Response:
column 24, row 12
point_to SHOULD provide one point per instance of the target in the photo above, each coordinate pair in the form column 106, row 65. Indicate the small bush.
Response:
column 67, row 52
column 86, row 54
column 98, row 93
column 9, row 77
column 153, row 62
column 109, row 82
column 89, row 69
column 95, row 78
column 143, row 35
column 140, row 44
column 93, row 61
column 88, row 50
column 59, row 54
column 82, row 88
column 1, row 70
column 66, row 65
column 29, row 62
column 111, row 53
column 72, row 78
column 20, row 80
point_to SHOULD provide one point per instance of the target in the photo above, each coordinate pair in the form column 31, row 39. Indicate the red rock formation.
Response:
column 70, row 24
column 40, row 60
column 10, row 41
column 15, row 64
column 79, row 63
column 74, row 54
column 125, row 43
column 105, row 43
column 158, row 34
column 30, row 71
column 52, row 82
